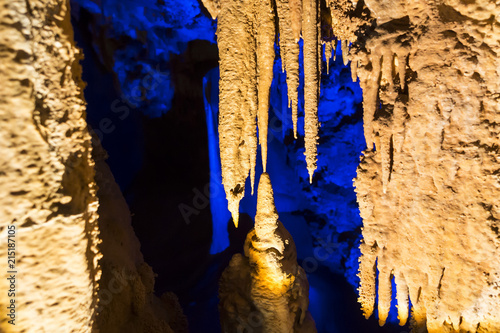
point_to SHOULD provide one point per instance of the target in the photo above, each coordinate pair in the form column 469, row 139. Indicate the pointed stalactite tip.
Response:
column 235, row 217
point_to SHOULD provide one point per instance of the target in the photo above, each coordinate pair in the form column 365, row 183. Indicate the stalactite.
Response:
column 400, row 64
column 237, row 98
column 213, row 7
column 245, row 35
column 402, row 298
column 296, row 18
column 370, row 87
column 354, row 70
column 328, row 55
column 334, row 45
column 265, row 61
column 384, row 290
column 367, row 275
column 345, row 52
column 311, row 82
column 289, row 21
column 426, row 191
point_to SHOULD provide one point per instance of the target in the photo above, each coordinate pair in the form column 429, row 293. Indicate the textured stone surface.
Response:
column 428, row 184
column 265, row 290
column 245, row 36
column 47, row 187
column 48, row 192
column 126, row 293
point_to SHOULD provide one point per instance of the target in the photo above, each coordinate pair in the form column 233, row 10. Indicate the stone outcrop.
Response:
column 78, row 265
column 428, row 182
column 47, row 188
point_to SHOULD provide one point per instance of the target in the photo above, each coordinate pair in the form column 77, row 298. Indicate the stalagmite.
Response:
column 311, row 81
column 289, row 48
column 267, row 279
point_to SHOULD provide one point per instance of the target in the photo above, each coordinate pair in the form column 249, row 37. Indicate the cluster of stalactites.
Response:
column 245, row 36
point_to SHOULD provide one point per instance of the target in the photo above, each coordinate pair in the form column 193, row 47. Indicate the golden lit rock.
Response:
column 265, row 290
column 245, row 37
column 427, row 185
column 47, row 188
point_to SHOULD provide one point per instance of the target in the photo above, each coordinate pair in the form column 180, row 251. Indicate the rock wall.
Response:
column 428, row 184
column 127, row 302
column 78, row 265
column 47, row 188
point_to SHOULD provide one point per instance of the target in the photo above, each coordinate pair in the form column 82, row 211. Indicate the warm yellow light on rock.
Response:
column 267, row 282
column 245, row 36
column 428, row 185
column 48, row 204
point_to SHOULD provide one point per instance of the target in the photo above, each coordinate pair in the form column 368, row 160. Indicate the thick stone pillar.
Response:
column 47, row 189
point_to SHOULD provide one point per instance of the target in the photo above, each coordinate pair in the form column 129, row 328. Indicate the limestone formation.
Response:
column 127, row 302
column 245, row 37
column 238, row 98
column 47, row 188
column 265, row 290
column 312, row 71
column 66, row 279
column 428, row 184
column 290, row 22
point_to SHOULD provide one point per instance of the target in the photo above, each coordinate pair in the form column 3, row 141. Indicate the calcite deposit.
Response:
column 245, row 36
column 428, row 184
column 65, row 278
column 47, row 188
column 265, row 290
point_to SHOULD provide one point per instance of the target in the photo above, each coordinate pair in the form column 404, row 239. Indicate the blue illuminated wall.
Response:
column 150, row 31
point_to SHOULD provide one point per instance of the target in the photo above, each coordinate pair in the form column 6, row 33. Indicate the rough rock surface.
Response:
column 47, row 187
column 265, row 290
column 48, row 192
column 245, row 37
column 428, row 184
column 127, row 302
